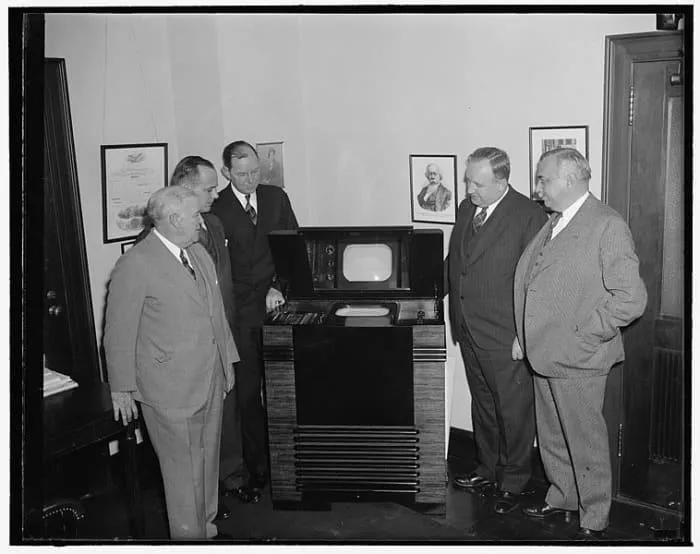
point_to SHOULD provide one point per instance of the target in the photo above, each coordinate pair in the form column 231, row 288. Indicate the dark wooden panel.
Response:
column 429, row 409
column 280, row 390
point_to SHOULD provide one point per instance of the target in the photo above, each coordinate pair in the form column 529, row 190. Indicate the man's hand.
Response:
column 125, row 406
column 274, row 299
column 516, row 352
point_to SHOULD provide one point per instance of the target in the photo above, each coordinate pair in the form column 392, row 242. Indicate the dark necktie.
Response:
column 250, row 210
column 187, row 265
column 479, row 219
column 553, row 220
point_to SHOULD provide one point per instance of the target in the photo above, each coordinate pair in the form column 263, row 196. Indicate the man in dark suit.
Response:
column 576, row 284
column 168, row 345
column 248, row 212
column 199, row 175
column 492, row 229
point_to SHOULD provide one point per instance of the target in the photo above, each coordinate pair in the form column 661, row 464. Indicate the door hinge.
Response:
column 620, row 438
column 630, row 107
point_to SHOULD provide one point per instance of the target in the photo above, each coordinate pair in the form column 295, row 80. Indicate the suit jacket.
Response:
column 216, row 247
column 573, row 295
column 438, row 202
column 252, row 267
column 481, row 267
column 162, row 337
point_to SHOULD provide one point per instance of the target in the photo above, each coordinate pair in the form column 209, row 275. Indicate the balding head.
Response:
column 174, row 212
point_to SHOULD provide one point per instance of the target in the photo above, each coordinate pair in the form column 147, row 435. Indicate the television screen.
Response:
column 367, row 263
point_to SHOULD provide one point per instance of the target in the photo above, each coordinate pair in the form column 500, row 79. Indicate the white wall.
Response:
column 351, row 95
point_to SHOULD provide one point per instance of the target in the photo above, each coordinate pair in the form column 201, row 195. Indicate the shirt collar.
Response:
column 174, row 248
column 570, row 212
column 241, row 197
column 491, row 207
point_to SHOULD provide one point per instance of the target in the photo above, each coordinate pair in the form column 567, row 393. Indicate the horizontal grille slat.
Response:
column 352, row 459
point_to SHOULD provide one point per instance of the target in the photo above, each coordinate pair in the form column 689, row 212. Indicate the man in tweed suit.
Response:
column 493, row 228
column 576, row 285
column 199, row 175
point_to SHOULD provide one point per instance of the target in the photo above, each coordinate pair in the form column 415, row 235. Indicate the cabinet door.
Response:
column 644, row 180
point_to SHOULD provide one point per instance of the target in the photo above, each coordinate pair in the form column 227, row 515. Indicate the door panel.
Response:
column 644, row 180
column 70, row 344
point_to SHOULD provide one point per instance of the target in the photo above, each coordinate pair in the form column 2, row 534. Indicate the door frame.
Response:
column 620, row 52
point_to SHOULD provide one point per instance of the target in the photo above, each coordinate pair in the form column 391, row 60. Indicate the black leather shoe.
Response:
column 545, row 511
column 472, row 481
column 505, row 502
column 244, row 493
column 223, row 513
column 585, row 534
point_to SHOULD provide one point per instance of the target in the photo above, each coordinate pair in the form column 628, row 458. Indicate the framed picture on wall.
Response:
column 433, row 188
column 544, row 139
column 130, row 174
column 271, row 157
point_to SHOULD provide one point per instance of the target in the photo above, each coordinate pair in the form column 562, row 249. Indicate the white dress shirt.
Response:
column 174, row 248
column 241, row 198
column 492, row 206
column 568, row 214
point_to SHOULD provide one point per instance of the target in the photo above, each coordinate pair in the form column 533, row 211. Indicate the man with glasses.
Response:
column 248, row 211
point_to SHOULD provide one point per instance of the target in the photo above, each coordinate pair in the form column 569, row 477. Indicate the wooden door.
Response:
column 70, row 345
column 644, row 179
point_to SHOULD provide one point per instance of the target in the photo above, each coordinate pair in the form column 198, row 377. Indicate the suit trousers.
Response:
column 249, row 380
column 232, row 469
column 502, row 414
column 573, row 441
column 187, row 443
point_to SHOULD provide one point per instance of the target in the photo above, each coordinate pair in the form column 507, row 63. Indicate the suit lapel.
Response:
column 243, row 229
column 493, row 227
column 568, row 238
column 172, row 268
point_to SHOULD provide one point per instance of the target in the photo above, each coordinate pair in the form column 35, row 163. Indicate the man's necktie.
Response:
column 479, row 219
column 553, row 220
column 187, row 265
column 250, row 210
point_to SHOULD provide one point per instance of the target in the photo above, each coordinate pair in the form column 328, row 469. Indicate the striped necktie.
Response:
column 479, row 219
column 553, row 220
column 186, row 263
column 250, row 210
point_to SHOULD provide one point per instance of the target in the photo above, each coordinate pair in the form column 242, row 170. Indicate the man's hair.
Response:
column 186, row 172
column 577, row 164
column 437, row 169
column 167, row 201
column 237, row 149
column 500, row 163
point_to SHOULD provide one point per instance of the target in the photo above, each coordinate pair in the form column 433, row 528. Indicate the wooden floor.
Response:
column 468, row 518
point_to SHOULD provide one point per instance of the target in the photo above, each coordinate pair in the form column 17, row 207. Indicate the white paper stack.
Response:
column 55, row 382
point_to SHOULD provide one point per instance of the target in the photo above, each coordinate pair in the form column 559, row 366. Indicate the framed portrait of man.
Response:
column 271, row 156
column 433, row 188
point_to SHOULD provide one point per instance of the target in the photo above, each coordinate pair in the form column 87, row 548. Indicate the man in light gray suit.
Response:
column 576, row 284
column 168, row 346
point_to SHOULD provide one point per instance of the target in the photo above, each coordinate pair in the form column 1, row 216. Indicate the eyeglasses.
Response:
column 250, row 175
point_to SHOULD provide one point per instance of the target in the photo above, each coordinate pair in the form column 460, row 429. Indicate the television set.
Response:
column 370, row 262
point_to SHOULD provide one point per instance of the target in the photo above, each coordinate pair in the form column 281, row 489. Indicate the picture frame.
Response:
column 543, row 139
column 130, row 174
column 669, row 21
column 127, row 245
column 433, row 179
column 271, row 156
